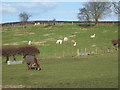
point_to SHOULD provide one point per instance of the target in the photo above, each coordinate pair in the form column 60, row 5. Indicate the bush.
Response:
column 13, row 51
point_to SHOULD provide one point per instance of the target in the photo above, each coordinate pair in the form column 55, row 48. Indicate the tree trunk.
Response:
column 7, row 58
column 96, row 21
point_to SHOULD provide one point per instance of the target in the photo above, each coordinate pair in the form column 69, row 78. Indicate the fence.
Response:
column 56, row 22
column 78, row 52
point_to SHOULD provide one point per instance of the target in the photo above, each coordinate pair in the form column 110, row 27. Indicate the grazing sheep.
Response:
column 59, row 42
column 29, row 43
column 92, row 36
column 65, row 39
column 74, row 43
column 36, row 24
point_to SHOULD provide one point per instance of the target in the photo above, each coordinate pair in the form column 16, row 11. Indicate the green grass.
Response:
column 93, row 71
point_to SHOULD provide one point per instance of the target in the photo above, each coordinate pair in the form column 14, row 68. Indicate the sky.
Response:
column 61, row 11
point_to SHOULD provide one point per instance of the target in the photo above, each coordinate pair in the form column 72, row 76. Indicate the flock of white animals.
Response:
column 65, row 40
column 36, row 24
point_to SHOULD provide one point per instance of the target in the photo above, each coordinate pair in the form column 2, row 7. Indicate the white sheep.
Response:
column 92, row 36
column 59, row 42
column 65, row 39
column 29, row 43
column 38, row 23
column 35, row 24
column 75, row 44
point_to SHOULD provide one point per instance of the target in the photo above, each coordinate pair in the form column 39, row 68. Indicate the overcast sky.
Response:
column 65, row 11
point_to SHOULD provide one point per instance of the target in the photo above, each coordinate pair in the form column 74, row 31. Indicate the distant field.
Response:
column 60, row 65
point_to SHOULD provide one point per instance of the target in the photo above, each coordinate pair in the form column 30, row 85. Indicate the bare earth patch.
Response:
column 93, row 45
column 15, row 43
column 48, row 34
column 40, row 43
column 31, row 33
column 13, row 86
column 116, row 31
column 104, row 31
column 84, row 29
column 18, row 34
column 76, row 32
column 72, row 36
column 11, row 44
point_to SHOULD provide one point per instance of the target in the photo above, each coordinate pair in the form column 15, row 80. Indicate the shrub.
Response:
column 28, row 50
column 13, row 51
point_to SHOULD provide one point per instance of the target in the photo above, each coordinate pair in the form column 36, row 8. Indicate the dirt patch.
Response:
column 31, row 33
column 18, row 34
column 84, row 29
column 24, row 41
column 11, row 44
column 15, row 43
column 76, row 32
column 93, row 45
column 13, row 86
column 104, row 31
column 48, row 34
column 72, row 36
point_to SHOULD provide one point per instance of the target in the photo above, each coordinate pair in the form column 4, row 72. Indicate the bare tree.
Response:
column 84, row 15
column 116, row 7
column 98, row 10
column 24, row 17
column 54, row 21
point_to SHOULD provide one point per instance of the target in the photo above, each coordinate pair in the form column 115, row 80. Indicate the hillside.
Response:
column 45, row 37
column 61, row 67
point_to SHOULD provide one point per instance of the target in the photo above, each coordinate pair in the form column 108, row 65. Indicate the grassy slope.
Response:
column 89, row 71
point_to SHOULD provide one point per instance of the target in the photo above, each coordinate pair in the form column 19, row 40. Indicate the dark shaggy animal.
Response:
column 115, row 42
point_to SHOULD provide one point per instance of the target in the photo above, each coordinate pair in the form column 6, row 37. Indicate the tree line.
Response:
column 93, row 11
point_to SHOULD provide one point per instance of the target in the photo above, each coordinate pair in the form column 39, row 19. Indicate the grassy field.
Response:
column 64, row 69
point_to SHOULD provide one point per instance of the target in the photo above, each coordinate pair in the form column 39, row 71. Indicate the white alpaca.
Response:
column 29, row 43
column 75, row 44
column 92, row 36
column 65, row 39
column 59, row 42
column 35, row 24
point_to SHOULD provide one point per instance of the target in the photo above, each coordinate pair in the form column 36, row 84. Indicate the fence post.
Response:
column 72, row 22
column 77, row 52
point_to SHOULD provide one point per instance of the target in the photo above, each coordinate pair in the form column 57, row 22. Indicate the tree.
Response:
column 116, row 7
column 98, row 9
column 24, row 17
column 84, row 15
column 54, row 21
